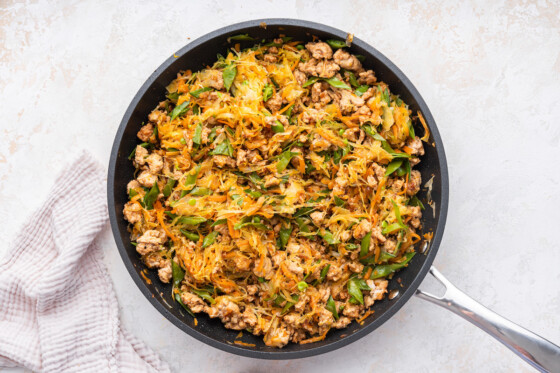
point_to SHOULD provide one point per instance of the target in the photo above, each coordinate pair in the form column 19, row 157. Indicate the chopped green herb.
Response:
column 339, row 201
column 329, row 238
column 249, row 221
column 267, row 92
column 178, row 299
column 331, row 306
column 386, row 269
column 179, row 110
column 303, row 211
column 289, row 304
column 352, row 79
column 192, row 176
column 240, row 37
column 302, row 225
column 361, row 90
column 224, row 148
column 200, row 191
column 210, row 239
column 191, row 220
column 196, row 93
column 284, row 236
column 324, row 272
column 404, row 168
column 355, row 286
column 310, row 81
column 173, row 96
column 393, row 166
column 204, row 295
column 364, row 247
column 151, row 197
column 228, row 75
column 144, row 145
column 411, row 132
column 177, row 272
column 190, row 235
column 284, row 160
column 168, row 188
column 391, row 228
column 253, row 193
column 398, row 215
column 218, row 222
column 212, row 135
column 336, row 83
column 336, row 44
column 277, row 127
column 197, row 137
column 414, row 201
column 385, row 96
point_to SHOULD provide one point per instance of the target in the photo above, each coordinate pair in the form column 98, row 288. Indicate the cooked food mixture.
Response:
column 275, row 190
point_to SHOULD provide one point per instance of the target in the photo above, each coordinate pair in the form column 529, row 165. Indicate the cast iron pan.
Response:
column 196, row 55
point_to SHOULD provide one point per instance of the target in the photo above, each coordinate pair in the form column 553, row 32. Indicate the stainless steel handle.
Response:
column 537, row 351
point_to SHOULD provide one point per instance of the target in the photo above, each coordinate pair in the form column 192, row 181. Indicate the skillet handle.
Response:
column 542, row 354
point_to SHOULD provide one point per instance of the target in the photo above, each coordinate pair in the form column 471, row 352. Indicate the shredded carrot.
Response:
column 314, row 339
column 237, row 47
column 244, row 344
column 227, row 123
column 378, row 192
column 159, row 216
column 426, row 136
column 429, row 236
column 348, row 122
column 368, row 273
column 407, row 150
column 195, row 321
column 377, row 251
column 217, row 198
column 148, row 281
column 287, row 273
column 368, row 312
column 406, row 182
column 285, row 108
column 294, row 65
column 371, row 253
column 301, row 164
column 415, row 237
column 232, row 232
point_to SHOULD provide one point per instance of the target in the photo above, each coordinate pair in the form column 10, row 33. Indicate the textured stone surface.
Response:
column 490, row 72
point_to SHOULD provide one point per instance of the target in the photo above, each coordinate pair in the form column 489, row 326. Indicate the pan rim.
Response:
column 281, row 354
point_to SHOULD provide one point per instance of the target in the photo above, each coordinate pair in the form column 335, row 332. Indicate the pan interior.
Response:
column 196, row 56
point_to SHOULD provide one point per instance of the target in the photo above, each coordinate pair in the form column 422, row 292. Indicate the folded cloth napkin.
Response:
column 58, row 310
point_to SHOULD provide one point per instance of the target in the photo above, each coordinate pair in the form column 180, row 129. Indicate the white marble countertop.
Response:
column 489, row 71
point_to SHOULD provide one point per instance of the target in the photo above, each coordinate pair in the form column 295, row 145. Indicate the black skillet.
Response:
column 201, row 52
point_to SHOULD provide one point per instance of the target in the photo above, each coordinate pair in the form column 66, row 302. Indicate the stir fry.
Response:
column 275, row 190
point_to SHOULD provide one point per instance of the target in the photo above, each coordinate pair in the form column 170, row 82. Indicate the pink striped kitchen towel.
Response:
column 58, row 310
